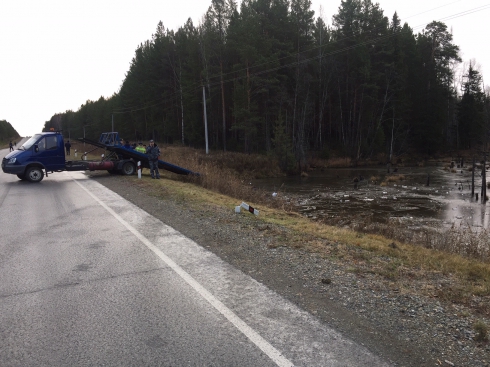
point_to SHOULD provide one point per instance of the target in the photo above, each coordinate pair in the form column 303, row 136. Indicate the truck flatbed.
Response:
column 127, row 153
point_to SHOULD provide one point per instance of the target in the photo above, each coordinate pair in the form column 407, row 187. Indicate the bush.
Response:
column 481, row 331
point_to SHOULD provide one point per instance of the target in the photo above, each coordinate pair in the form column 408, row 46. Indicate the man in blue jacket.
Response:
column 153, row 152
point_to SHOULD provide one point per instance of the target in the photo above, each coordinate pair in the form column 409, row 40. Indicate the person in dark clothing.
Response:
column 127, row 145
column 67, row 147
column 11, row 147
column 153, row 152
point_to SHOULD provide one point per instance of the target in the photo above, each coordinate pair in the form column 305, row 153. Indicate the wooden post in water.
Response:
column 473, row 179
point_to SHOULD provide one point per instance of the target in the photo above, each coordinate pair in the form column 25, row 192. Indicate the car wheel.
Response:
column 34, row 174
column 128, row 169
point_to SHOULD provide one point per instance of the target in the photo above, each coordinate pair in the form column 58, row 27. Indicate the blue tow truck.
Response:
column 44, row 153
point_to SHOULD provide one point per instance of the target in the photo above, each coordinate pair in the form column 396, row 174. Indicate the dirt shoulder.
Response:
column 400, row 320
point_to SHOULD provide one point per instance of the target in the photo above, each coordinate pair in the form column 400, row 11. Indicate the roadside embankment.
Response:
column 406, row 303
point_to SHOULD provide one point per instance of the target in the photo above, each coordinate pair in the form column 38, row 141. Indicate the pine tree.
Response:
column 471, row 110
column 282, row 146
column 436, row 55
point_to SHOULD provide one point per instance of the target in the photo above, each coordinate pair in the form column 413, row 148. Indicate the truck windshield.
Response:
column 29, row 143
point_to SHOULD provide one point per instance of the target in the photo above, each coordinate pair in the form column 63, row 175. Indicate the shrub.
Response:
column 481, row 331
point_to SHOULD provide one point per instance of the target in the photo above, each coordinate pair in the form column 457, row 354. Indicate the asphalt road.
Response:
column 89, row 279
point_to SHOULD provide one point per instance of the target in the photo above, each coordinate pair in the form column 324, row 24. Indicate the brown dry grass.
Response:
column 339, row 162
column 393, row 178
column 462, row 240
column 226, row 173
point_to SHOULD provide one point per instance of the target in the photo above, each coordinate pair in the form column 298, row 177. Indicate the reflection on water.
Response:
column 333, row 194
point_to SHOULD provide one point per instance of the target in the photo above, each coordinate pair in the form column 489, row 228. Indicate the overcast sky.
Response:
column 57, row 54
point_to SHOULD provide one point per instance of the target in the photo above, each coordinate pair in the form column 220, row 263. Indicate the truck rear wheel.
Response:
column 128, row 169
column 34, row 174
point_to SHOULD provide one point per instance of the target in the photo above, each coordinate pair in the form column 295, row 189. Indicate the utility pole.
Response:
column 84, row 126
column 484, row 179
column 473, row 178
column 205, row 118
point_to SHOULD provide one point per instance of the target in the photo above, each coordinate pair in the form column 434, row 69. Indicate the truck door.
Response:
column 47, row 152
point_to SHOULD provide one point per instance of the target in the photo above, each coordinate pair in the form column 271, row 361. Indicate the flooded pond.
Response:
column 332, row 196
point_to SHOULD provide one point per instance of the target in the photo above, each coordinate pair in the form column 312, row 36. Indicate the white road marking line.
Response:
column 250, row 333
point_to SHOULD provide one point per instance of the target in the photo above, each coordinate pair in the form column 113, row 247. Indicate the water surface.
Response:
column 334, row 194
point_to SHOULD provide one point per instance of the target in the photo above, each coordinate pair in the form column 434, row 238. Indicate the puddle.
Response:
column 333, row 194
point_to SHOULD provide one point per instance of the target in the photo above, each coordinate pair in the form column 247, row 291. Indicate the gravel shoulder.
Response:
column 402, row 321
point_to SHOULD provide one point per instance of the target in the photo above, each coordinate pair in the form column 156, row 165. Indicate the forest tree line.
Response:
column 278, row 80
column 7, row 132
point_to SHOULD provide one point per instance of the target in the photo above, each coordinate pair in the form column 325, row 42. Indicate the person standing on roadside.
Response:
column 153, row 152
column 67, row 147
column 11, row 146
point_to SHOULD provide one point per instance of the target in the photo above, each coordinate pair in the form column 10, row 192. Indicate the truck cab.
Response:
column 43, row 152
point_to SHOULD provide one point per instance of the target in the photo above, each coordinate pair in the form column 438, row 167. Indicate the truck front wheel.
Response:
column 34, row 174
column 128, row 168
